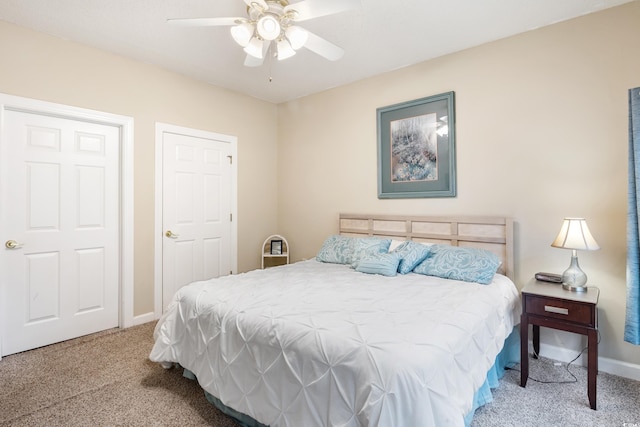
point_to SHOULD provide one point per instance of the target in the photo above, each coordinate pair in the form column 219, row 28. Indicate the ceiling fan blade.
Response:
column 262, row 3
column 323, row 47
column 309, row 9
column 252, row 61
column 205, row 22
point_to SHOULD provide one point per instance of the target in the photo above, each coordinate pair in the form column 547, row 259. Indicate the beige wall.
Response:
column 46, row 68
column 541, row 134
column 541, row 127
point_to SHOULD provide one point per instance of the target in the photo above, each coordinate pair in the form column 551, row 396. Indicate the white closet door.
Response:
column 196, row 211
column 60, row 222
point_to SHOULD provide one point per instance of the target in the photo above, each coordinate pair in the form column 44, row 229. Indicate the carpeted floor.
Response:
column 106, row 379
column 555, row 400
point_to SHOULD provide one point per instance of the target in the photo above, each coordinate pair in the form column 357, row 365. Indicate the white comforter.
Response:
column 313, row 344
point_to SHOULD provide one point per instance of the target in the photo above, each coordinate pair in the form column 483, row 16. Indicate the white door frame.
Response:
column 10, row 102
column 233, row 141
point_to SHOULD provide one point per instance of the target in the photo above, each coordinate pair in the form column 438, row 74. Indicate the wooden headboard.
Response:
column 492, row 233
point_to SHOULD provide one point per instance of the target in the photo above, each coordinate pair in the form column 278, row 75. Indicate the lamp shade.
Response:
column 297, row 36
column 254, row 48
column 242, row 33
column 284, row 50
column 268, row 27
column 575, row 234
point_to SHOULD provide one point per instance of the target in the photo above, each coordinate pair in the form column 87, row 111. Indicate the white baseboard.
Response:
column 616, row 367
column 610, row 366
column 144, row 318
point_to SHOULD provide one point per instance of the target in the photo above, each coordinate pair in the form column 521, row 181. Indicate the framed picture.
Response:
column 417, row 148
column 276, row 247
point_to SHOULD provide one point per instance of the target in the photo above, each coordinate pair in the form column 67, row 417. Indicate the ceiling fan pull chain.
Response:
column 271, row 54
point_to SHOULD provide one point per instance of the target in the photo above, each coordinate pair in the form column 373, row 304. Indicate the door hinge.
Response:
column 231, row 217
column 230, row 159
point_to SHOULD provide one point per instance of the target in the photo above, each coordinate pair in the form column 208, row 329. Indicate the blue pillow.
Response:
column 385, row 264
column 453, row 262
column 411, row 254
column 363, row 246
column 337, row 250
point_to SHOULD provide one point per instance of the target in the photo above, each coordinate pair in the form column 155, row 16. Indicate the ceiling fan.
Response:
column 269, row 28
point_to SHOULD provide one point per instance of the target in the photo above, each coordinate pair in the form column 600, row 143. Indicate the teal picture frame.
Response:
column 417, row 148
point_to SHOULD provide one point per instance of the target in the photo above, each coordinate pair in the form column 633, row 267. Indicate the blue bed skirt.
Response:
column 508, row 357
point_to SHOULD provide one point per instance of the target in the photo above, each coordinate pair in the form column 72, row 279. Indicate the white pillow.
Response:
column 395, row 243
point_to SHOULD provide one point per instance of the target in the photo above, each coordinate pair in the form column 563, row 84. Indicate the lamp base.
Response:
column 573, row 278
column 574, row 288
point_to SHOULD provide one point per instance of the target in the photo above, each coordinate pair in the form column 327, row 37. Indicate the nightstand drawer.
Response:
column 570, row 311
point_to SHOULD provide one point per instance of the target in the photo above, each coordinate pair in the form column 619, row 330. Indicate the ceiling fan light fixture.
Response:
column 268, row 21
column 284, row 49
column 242, row 33
column 254, row 48
column 297, row 36
column 268, row 27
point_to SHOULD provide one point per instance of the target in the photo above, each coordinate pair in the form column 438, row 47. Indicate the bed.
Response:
column 329, row 344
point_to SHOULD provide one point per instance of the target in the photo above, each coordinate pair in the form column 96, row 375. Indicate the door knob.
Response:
column 171, row 234
column 12, row 244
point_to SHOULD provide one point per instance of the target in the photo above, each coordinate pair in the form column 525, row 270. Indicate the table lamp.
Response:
column 575, row 235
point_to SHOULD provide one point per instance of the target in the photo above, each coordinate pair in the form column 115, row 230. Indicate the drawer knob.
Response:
column 557, row 310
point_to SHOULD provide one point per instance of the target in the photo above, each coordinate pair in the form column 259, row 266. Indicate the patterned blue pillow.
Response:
column 452, row 262
column 411, row 254
column 337, row 250
column 363, row 246
column 385, row 264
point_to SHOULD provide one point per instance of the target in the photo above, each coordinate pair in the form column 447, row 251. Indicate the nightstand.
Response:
column 548, row 305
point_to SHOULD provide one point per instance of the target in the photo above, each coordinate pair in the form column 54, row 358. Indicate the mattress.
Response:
column 315, row 344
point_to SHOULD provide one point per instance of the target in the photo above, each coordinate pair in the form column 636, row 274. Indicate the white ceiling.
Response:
column 380, row 36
